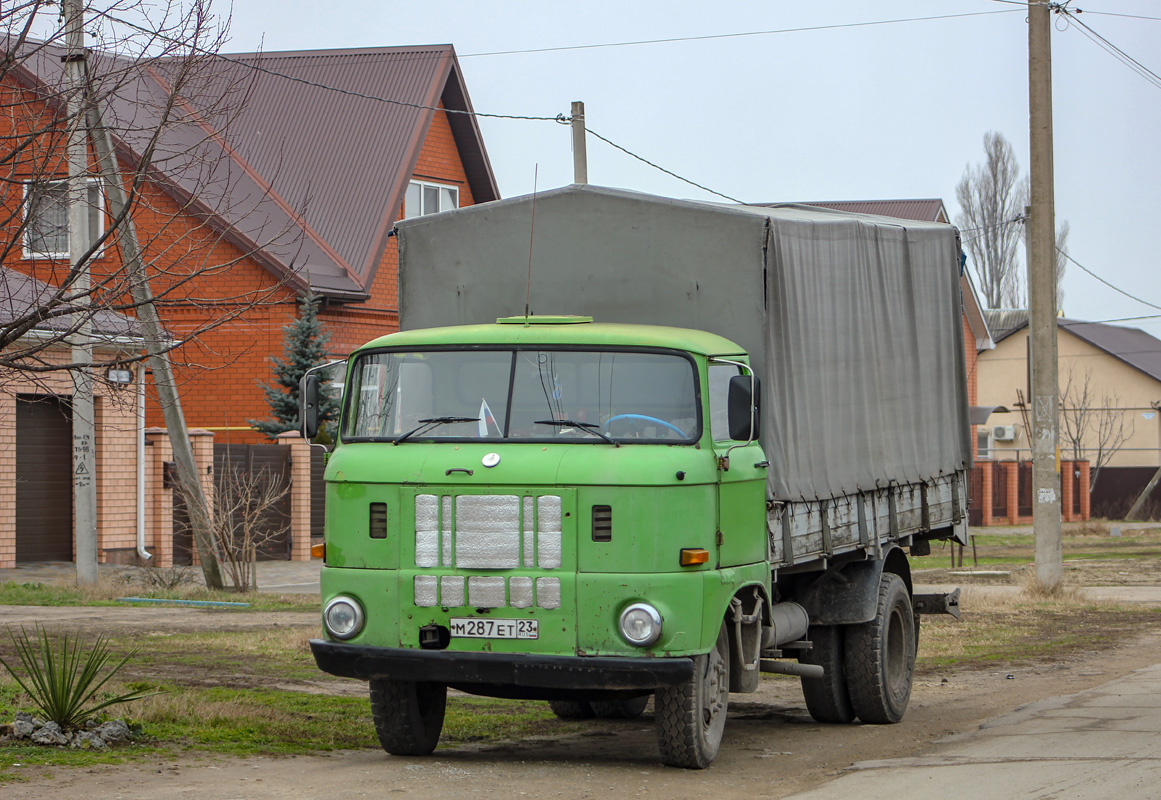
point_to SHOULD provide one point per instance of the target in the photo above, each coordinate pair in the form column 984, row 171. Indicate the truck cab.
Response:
column 549, row 508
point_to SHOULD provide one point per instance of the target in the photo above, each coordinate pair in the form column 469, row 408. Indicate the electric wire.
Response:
column 706, row 37
column 1106, row 283
column 1116, row 52
column 657, row 167
column 561, row 118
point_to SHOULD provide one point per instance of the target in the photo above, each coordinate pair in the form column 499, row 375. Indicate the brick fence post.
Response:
column 158, row 498
column 986, row 493
column 1086, row 495
column 1066, row 481
column 299, row 494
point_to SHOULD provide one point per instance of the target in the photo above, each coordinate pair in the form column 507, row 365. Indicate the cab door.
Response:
column 741, row 486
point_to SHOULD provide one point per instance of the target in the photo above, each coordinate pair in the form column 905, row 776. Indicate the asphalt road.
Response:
column 1097, row 744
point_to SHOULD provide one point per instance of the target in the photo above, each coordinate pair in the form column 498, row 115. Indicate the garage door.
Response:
column 44, row 479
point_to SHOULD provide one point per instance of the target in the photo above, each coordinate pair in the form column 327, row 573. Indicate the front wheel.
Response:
column 691, row 717
column 408, row 715
column 880, row 656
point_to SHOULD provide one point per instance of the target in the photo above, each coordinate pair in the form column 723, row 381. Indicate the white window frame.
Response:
column 30, row 253
column 423, row 211
column 984, row 438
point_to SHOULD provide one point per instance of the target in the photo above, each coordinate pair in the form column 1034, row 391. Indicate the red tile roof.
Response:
column 309, row 179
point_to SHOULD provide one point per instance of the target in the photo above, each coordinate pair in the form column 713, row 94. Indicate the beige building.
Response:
column 1110, row 390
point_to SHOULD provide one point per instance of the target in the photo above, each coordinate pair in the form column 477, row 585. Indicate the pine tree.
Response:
column 304, row 346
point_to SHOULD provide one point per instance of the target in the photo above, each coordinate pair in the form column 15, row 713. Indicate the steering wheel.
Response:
column 644, row 418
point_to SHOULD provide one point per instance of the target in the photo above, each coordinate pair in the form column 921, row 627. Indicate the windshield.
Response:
column 526, row 394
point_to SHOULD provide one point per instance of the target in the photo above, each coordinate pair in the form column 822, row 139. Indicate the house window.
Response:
column 429, row 198
column 984, row 442
column 46, row 203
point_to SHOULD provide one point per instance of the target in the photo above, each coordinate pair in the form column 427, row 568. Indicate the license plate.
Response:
column 471, row 628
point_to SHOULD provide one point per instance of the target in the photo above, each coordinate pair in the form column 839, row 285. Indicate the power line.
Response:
column 1114, row 14
column 1116, row 52
column 806, row 29
column 1106, row 283
column 326, row 87
column 662, row 169
column 558, row 118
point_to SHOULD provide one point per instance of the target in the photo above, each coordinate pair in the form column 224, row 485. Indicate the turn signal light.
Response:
column 318, row 551
column 692, row 556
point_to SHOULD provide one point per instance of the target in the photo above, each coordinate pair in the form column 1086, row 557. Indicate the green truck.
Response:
column 710, row 461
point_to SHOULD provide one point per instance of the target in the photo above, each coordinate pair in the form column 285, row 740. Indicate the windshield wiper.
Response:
column 587, row 427
column 427, row 424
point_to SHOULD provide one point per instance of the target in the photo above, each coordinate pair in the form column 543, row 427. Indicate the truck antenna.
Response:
column 531, row 237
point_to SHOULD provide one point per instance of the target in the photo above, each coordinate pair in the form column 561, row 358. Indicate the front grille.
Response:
column 481, row 531
column 488, row 532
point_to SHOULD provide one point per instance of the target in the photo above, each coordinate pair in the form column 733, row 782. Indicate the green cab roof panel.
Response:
column 577, row 333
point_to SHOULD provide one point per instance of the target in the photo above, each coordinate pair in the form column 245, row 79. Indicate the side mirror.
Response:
column 308, row 405
column 744, row 406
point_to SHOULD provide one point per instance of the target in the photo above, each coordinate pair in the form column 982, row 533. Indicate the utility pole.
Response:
column 155, row 346
column 1042, row 300
column 580, row 156
column 84, row 439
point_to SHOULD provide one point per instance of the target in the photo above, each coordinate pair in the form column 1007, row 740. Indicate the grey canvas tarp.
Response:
column 853, row 322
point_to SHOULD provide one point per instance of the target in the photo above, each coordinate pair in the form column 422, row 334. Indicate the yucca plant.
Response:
column 63, row 677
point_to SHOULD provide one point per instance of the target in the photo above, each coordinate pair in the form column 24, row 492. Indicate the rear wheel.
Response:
column 620, row 709
column 408, row 715
column 691, row 717
column 827, row 698
column 880, row 656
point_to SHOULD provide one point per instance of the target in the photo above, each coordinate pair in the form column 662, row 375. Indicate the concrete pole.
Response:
column 84, row 428
column 155, row 346
column 1042, row 300
column 580, row 156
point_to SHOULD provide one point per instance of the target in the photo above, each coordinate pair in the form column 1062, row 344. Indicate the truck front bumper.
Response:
column 502, row 674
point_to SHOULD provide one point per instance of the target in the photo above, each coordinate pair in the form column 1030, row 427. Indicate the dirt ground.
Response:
column 772, row 748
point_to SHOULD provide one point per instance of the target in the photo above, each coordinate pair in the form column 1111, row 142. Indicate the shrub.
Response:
column 63, row 677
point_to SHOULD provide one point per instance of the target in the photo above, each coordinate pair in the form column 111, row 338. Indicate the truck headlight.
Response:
column 343, row 617
column 641, row 624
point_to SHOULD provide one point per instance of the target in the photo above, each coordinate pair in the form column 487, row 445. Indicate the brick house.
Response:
column 244, row 206
column 36, row 475
column 298, row 188
column 1110, row 400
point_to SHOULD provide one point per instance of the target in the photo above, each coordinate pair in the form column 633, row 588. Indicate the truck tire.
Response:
column 691, row 717
column 572, row 709
column 620, row 709
column 880, row 656
column 408, row 715
column 827, row 698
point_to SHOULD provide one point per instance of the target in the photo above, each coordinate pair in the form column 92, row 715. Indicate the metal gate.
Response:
column 259, row 466
column 44, row 479
column 999, row 490
column 1024, row 504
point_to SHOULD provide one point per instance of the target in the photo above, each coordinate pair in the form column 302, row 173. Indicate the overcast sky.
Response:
column 862, row 112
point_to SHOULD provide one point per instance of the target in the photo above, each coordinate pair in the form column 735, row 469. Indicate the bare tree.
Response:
column 1092, row 422
column 245, row 519
column 157, row 104
column 992, row 197
column 1061, row 261
column 167, row 100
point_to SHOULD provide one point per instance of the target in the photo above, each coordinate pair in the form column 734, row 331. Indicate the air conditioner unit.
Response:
column 1004, row 433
